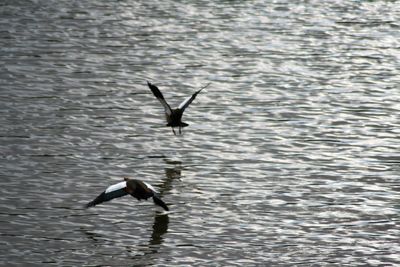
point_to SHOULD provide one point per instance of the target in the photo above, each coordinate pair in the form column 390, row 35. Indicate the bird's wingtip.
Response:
column 88, row 205
column 160, row 203
column 203, row 87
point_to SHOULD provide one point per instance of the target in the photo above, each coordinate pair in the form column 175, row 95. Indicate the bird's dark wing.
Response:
column 113, row 191
column 190, row 99
column 157, row 200
column 157, row 93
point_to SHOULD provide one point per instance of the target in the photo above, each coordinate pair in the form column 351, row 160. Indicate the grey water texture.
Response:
column 291, row 156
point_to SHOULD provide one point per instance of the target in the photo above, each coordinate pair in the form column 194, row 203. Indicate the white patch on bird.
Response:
column 184, row 102
column 167, row 109
column 115, row 187
column 151, row 187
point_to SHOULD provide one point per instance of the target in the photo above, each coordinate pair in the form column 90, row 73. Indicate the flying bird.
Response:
column 174, row 116
column 136, row 188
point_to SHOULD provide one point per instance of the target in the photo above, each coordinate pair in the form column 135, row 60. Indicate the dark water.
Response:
column 291, row 157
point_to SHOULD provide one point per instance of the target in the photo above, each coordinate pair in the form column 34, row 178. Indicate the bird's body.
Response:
column 173, row 116
column 136, row 188
column 175, row 119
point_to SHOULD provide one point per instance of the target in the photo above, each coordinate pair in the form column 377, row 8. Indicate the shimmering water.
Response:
column 291, row 157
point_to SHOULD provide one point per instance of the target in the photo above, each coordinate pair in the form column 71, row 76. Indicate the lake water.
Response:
column 291, row 157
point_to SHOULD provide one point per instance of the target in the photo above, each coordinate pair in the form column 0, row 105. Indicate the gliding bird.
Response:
column 136, row 188
column 174, row 116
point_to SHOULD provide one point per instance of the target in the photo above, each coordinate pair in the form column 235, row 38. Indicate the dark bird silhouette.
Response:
column 174, row 116
column 136, row 188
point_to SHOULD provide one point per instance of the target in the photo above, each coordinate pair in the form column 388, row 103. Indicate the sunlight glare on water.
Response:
column 290, row 157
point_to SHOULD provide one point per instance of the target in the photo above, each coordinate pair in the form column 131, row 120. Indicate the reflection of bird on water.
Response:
column 136, row 188
column 160, row 227
column 174, row 116
column 95, row 237
column 171, row 173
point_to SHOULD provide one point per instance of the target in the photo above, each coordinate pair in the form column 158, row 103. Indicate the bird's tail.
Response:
column 160, row 203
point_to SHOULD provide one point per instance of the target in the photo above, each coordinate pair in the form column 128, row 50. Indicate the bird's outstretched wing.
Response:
column 157, row 93
column 113, row 191
column 190, row 99
column 149, row 186
column 156, row 198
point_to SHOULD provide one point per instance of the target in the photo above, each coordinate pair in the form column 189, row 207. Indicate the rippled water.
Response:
column 291, row 157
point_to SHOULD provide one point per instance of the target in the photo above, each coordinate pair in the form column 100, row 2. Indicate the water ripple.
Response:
column 291, row 155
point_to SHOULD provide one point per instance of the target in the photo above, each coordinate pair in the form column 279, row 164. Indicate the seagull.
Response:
column 136, row 188
column 174, row 116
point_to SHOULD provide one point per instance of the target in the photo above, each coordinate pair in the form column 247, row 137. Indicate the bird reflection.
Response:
column 161, row 221
column 94, row 237
column 160, row 227
column 171, row 173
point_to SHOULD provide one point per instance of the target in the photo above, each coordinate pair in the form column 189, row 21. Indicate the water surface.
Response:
column 291, row 157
